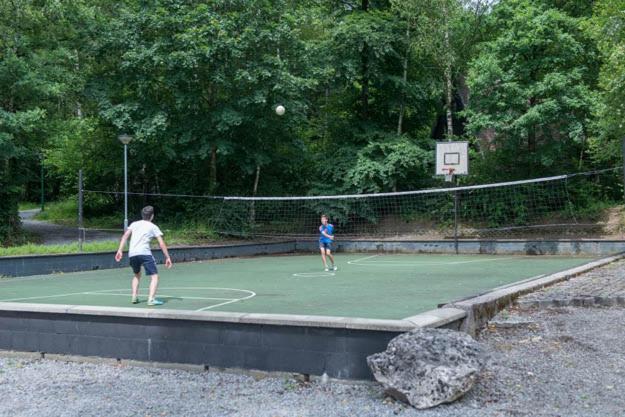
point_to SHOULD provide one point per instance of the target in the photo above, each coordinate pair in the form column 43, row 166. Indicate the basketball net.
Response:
column 449, row 174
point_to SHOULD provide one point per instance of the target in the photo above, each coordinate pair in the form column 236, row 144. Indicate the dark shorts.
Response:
column 325, row 245
column 148, row 262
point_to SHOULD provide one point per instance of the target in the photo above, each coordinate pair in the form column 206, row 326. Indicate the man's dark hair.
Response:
column 326, row 216
column 147, row 212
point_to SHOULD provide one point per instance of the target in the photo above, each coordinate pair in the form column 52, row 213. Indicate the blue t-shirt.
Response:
column 329, row 229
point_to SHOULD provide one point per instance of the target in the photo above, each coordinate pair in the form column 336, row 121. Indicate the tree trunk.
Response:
column 405, row 80
column 77, row 68
column 531, row 141
column 256, row 179
column 531, row 134
column 254, row 191
column 448, row 83
column 364, row 93
column 212, row 171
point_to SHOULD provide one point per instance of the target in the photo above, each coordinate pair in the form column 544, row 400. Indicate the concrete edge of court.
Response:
column 434, row 318
column 481, row 308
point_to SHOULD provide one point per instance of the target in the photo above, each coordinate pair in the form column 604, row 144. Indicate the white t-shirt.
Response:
column 142, row 232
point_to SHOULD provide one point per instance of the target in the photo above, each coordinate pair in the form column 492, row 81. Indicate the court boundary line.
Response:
column 110, row 292
column 403, row 263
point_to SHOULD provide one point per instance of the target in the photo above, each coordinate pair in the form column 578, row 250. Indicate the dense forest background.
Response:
column 369, row 86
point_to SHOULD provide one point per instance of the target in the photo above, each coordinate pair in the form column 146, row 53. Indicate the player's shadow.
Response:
column 167, row 299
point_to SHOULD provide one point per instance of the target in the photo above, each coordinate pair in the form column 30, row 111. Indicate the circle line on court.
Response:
column 313, row 274
column 112, row 292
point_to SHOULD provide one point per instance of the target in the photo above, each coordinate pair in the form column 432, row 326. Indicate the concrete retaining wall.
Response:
column 313, row 345
column 492, row 247
column 48, row 264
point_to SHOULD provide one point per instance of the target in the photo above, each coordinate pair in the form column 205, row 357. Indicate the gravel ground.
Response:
column 558, row 361
column 555, row 362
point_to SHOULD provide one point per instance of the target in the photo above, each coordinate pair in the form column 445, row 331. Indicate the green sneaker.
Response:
column 155, row 302
column 135, row 300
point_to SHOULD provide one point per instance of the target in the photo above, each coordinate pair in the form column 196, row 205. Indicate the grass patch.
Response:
column 65, row 213
column 34, row 249
column 26, row 205
column 191, row 234
column 595, row 211
column 188, row 234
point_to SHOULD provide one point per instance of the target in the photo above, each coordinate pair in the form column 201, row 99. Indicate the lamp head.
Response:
column 124, row 138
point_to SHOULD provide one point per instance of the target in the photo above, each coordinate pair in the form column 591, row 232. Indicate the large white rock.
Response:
column 428, row 367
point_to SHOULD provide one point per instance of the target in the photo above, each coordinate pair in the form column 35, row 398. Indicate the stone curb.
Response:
column 482, row 308
column 433, row 318
column 593, row 301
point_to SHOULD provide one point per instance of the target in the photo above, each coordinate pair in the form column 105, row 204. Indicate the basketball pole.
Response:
column 623, row 151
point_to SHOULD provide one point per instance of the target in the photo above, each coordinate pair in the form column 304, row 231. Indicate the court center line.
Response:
column 253, row 294
column 361, row 259
column 217, row 305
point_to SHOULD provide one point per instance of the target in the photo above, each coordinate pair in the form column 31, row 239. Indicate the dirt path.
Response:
column 54, row 234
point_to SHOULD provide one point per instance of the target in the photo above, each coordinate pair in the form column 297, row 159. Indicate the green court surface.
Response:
column 365, row 285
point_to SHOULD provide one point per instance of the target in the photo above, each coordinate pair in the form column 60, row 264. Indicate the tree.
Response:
column 444, row 31
column 38, row 87
column 608, row 29
column 532, row 98
column 197, row 83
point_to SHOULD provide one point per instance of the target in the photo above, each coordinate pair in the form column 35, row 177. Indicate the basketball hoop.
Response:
column 449, row 174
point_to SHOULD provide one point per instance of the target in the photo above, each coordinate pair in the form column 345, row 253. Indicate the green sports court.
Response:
column 366, row 285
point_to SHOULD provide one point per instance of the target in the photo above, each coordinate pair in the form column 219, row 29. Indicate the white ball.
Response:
column 280, row 110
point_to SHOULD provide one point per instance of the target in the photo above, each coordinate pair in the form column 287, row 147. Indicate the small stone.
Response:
column 324, row 378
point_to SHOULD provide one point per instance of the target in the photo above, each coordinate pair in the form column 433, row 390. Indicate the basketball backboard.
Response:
column 452, row 157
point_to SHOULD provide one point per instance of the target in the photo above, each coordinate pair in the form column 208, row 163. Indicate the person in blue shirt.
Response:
column 326, row 237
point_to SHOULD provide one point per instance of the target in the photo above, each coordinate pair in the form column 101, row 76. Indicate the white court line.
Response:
column 228, row 300
column 160, row 295
column 361, row 259
column 313, row 274
column 396, row 263
column 41, row 296
column 183, row 288
column 108, row 292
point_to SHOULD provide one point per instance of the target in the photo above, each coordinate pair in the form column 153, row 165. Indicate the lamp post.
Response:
column 125, row 139
column 43, row 198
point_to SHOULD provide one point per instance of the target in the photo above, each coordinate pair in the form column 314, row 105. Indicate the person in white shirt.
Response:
column 141, row 233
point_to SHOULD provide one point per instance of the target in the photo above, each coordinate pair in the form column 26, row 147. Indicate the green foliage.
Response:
column 533, row 99
column 386, row 163
column 608, row 29
column 365, row 90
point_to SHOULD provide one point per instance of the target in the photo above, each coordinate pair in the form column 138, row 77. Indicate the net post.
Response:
column 456, row 221
column 80, row 211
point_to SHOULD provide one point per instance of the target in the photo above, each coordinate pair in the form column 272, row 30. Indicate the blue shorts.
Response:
column 147, row 261
column 325, row 245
